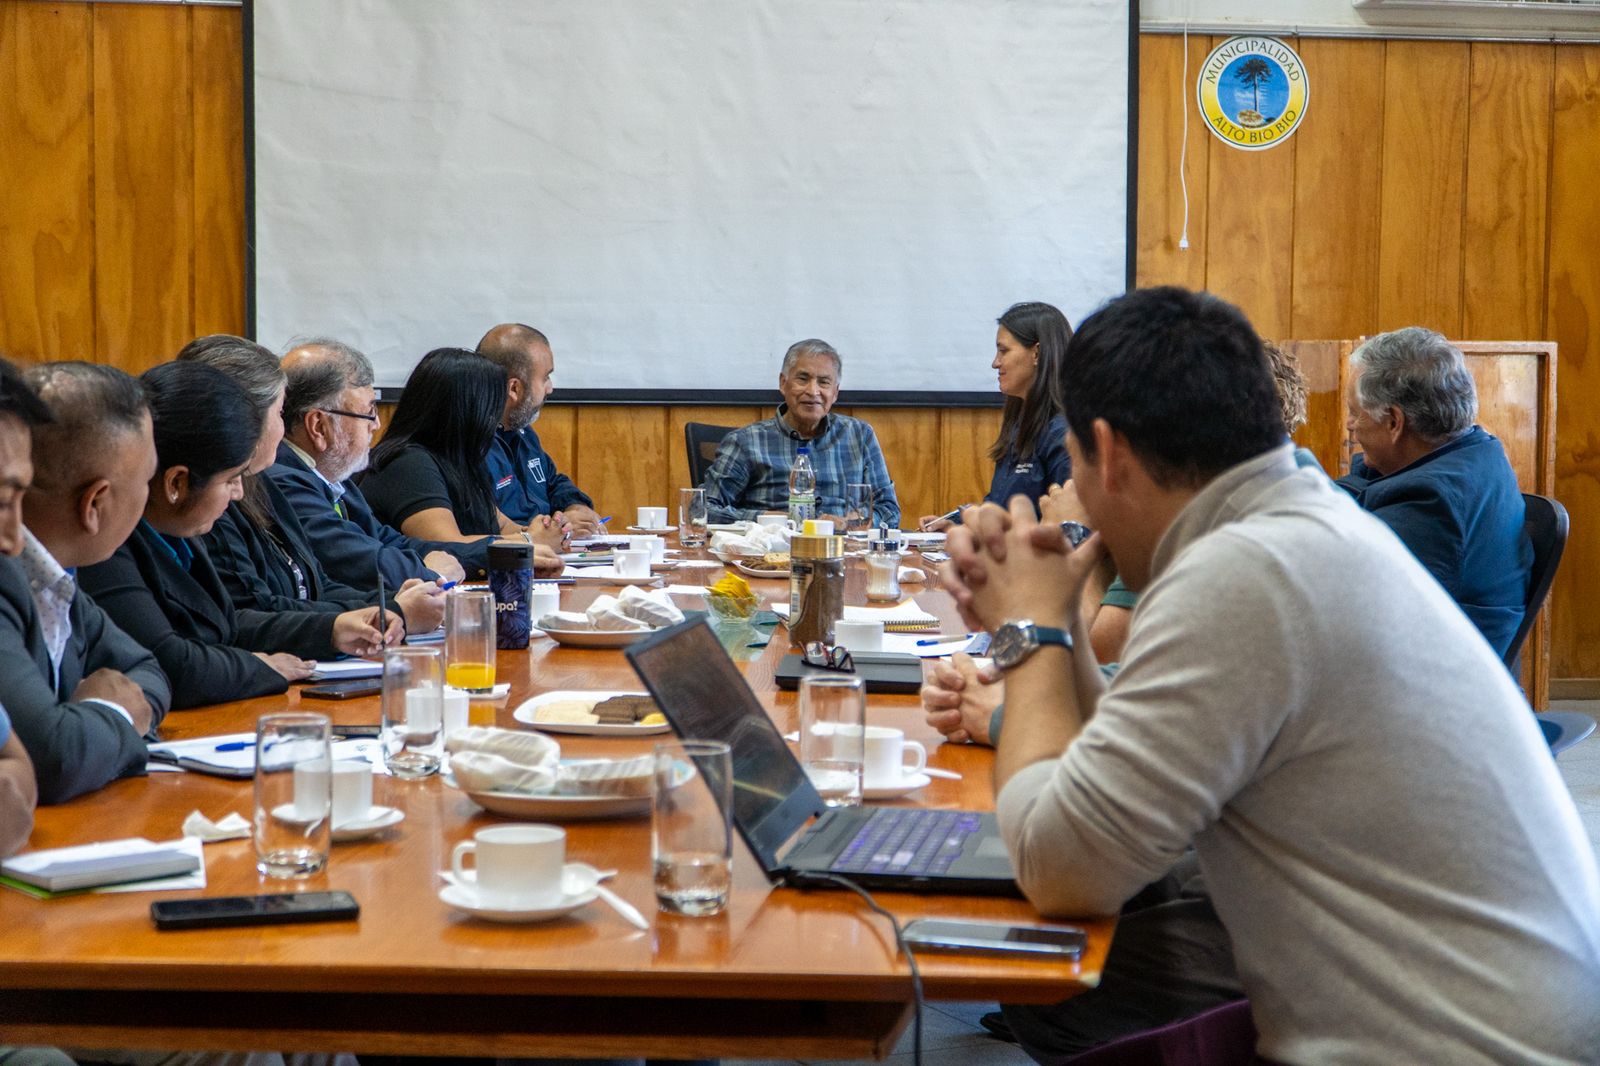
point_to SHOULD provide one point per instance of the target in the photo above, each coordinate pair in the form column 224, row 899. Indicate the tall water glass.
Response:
column 293, row 794
column 858, row 502
column 691, row 842
column 469, row 640
column 833, row 736
column 413, row 710
column 691, row 517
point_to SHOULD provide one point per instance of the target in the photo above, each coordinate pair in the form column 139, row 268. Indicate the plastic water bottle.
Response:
column 802, row 489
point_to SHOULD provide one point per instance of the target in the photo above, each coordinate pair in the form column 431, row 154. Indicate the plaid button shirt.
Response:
column 751, row 472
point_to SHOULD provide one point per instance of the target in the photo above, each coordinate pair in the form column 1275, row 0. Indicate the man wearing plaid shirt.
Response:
column 751, row 472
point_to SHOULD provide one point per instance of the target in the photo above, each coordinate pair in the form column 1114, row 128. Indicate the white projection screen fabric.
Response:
column 676, row 190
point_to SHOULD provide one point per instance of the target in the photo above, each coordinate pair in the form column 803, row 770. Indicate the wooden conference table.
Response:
column 782, row 973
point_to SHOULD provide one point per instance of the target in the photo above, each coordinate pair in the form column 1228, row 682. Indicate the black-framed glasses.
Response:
column 373, row 418
column 828, row 657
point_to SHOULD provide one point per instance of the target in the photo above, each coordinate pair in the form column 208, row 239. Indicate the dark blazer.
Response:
column 1459, row 510
column 186, row 617
column 256, row 573
column 526, row 481
column 352, row 546
column 76, row 746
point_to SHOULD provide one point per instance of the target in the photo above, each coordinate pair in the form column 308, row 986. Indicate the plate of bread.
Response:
column 593, row 713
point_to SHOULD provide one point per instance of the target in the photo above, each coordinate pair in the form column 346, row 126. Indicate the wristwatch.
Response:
column 1076, row 533
column 1015, row 641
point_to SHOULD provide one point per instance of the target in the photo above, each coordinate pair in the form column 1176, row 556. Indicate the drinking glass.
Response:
column 293, row 794
column 413, row 711
column 690, row 838
column 691, row 517
column 857, row 508
column 469, row 640
column 833, row 736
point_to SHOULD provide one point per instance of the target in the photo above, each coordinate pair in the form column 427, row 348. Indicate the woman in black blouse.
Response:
column 428, row 477
column 161, row 586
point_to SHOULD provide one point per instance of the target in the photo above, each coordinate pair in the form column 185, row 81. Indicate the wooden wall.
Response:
column 1442, row 184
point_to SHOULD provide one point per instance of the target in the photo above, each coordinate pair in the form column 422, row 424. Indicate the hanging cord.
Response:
column 905, row 949
column 1183, row 152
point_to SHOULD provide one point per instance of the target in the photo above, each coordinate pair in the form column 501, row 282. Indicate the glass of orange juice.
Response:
column 469, row 640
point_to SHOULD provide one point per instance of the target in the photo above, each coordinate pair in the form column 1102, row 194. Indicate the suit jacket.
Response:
column 186, row 617
column 352, row 546
column 255, row 570
column 76, row 746
column 1459, row 510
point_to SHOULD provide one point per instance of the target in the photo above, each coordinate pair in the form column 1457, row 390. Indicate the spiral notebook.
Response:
column 907, row 617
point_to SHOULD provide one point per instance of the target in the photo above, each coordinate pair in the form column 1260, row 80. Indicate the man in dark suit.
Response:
column 1441, row 483
column 526, row 481
column 81, row 693
column 329, row 415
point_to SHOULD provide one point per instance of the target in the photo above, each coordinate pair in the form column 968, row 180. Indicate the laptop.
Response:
column 907, row 849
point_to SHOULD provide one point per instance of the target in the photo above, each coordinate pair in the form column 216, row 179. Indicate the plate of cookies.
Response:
column 772, row 564
column 593, row 713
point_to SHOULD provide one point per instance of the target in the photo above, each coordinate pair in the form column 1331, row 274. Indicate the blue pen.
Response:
column 606, row 519
column 236, row 745
column 448, row 585
column 945, row 640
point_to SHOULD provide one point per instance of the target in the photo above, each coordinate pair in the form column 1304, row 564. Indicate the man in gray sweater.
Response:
column 1399, row 867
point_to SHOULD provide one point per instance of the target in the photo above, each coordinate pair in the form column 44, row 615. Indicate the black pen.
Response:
column 383, row 616
column 949, row 516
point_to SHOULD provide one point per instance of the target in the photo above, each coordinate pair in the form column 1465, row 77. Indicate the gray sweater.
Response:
column 1397, row 861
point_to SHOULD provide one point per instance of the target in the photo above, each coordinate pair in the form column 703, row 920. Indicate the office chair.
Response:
column 702, row 440
column 1547, row 525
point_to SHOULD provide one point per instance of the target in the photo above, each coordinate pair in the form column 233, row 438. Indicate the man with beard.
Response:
column 329, row 415
column 526, row 481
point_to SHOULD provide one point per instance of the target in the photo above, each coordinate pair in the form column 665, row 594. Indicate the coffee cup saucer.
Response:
column 579, row 887
column 377, row 820
column 286, row 813
column 879, row 790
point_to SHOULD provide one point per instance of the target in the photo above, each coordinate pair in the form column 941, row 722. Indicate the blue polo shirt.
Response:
column 1459, row 510
column 1032, row 470
column 526, row 481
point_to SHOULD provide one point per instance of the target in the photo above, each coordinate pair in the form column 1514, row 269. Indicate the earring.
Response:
column 172, row 497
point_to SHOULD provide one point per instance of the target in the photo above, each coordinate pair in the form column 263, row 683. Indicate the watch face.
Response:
column 1010, row 645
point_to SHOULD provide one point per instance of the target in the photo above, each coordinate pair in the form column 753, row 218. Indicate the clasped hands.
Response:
column 1005, row 564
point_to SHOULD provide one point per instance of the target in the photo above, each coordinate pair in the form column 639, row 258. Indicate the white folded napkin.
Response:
column 912, row 574
column 653, row 607
column 229, row 827
column 568, row 620
column 759, row 540
column 479, row 771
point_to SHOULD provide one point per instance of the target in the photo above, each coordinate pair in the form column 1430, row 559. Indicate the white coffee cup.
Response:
column 656, row 546
column 349, row 781
column 513, row 865
column 886, row 757
column 858, row 636
column 457, row 709
column 632, row 562
column 652, row 518
column 543, row 599
column 772, row 518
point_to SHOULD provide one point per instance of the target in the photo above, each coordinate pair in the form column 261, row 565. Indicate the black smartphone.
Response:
column 355, row 688
column 357, row 731
column 278, row 909
column 1061, row 942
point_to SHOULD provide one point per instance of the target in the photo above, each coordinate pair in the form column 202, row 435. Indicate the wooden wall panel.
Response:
column 218, row 36
column 1508, row 177
column 1424, row 160
column 1250, row 230
column 1337, row 182
column 965, row 469
column 143, row 184
column 1322, row 364
column 1159, row 260
column 1573, row 320
column 558, row 432
column 47, row 254
column 621, row 458
column 910, row 443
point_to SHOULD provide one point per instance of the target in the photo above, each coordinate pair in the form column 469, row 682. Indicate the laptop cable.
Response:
column 900, row 942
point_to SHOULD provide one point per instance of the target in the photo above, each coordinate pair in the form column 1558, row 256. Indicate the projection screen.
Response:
column 674, row 192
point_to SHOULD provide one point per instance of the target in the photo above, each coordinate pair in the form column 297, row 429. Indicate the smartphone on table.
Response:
column 277, row 909
column 1059, row 942
column 352, row 689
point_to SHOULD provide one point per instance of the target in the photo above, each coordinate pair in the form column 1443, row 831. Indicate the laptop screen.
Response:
column 705, row 697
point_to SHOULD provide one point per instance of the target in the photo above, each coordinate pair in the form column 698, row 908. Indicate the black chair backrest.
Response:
column 1546, row 523
column 702, row 440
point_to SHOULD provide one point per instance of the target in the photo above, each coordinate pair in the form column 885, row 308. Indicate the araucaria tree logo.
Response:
column 1253, row 92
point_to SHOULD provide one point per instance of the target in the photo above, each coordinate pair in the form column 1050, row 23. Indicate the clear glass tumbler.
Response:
column 858, row 500
column 691, row 517
column 469, row 640
column 691, row 841
column 293, row 794
column 833, row 736
column 413, row 711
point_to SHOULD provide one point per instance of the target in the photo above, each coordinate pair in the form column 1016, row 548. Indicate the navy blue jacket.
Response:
column 526, row 481
column 1032, row 473
column 352, row 547
column 1459, row 510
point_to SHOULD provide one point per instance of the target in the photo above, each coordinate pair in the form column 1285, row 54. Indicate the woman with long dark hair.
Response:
column 428, row 477
column 161, row 586
column 262, row 552
column 1030, row 454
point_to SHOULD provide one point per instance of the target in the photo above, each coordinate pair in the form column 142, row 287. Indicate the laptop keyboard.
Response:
column 905, row 840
